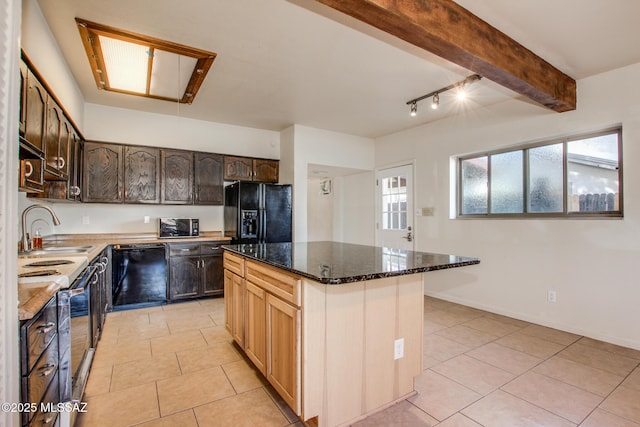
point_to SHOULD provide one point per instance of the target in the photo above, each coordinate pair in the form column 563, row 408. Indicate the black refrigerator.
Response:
column 257, row 213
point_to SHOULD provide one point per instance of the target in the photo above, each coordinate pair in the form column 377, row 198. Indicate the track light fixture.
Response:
column 435, row 103
column 414, row 109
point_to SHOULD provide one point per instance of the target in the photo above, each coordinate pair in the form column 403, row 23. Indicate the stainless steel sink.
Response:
column 51, row 250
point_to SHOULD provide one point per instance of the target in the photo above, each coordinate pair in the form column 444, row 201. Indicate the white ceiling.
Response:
column 284, row 62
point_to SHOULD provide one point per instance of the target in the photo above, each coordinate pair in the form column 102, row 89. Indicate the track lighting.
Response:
column 435, row 103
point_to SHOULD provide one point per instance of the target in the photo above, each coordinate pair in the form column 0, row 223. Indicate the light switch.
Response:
column 85, row 219
column 146, row 219
column 427, row 211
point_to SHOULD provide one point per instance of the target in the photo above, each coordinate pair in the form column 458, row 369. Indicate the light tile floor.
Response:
column 176, row 366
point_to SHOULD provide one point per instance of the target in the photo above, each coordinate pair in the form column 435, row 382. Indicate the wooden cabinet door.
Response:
column 238, row 168
column 53, row 160
column 64, row 144
column 184, row 277
column 209, row 186
column 24, row 72
column 237, row 298
column 75, row 166
column 255, row 328
column 102, row 172
column 212, row 275
column 265, row 170
column 228, row 300
column 141, row 175
column 283, row 350
column 177, row 177
column 36, row 112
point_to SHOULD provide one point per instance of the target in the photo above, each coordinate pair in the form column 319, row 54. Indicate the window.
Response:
column 576, row 176
column 394, row 203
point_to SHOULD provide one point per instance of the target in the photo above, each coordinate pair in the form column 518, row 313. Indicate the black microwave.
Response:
column 178, row 227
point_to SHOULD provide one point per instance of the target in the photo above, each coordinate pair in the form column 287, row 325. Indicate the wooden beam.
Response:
column 450, row 31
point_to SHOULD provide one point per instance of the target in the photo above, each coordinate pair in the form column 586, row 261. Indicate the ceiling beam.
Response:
column 450, row 31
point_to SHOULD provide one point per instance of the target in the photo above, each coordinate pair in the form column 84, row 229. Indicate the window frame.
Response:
column 565, row 213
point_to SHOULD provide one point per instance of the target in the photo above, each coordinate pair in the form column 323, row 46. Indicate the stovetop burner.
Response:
column 49, row 263
column 39, row 273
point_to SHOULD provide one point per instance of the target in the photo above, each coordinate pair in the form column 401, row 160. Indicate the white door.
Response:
column 394, row 216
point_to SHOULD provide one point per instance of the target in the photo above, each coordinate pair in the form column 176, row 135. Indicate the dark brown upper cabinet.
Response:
column 141, row 174
column 209, row 185
column 36, row 110
column 265, row 170
column 24, row 72
column 249, row 169
column 238, row 168
column 53, row 160
column 177, row 177
column 102, row 172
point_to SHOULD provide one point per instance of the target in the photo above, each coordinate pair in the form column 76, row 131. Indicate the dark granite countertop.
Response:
column 336, row 263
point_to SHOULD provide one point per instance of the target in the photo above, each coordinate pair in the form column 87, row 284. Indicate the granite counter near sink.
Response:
column 33, row 296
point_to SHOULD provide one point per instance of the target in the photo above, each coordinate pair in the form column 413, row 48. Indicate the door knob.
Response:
column 409, row 235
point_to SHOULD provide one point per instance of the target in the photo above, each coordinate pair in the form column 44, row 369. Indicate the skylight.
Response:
column 130, row 63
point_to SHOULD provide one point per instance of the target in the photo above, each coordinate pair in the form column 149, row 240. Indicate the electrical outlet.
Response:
column 85, row 219
column 146, row 219
column 398, row 349
column 551, row 296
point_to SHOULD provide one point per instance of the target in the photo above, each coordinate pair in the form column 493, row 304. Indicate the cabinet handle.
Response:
column 61, row 162
column 47, row 369
column 214, row 247
column 28, row 168
column 185, row 250
column 47, row 327
column 47, row 420
column 74, row 190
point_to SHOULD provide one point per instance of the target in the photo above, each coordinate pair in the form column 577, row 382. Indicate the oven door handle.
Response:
column 76, row 291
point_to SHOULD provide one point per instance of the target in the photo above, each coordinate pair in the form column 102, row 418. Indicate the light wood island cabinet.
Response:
column 335, row 328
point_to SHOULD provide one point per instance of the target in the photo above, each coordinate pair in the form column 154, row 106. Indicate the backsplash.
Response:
column 89, row 218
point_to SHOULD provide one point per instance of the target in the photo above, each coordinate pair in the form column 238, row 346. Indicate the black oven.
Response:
column 76, row 335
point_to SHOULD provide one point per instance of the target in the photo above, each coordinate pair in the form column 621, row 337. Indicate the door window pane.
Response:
column 394, row 203
column 474, row 186
column 546, row 178
column 592, row 174
column 507, row 195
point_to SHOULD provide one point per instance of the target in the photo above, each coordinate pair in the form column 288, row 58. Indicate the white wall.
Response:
column 592, row 264
column 320, row 217
column 354, row 216
column 315, row 146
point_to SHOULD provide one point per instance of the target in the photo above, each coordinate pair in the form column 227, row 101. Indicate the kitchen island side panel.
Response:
column 349, row 370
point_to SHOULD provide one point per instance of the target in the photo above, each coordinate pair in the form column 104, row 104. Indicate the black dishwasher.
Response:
column 139, row 275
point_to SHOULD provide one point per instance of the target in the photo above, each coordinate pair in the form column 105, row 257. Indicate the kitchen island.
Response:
column 336, row 328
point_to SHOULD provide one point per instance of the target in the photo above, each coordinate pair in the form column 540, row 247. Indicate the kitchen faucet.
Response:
column 25, row 239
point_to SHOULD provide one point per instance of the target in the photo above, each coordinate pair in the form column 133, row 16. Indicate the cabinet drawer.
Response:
column 234, row 263
column 37, row 333
column 282, row 285
column 184, row 249
column 43, row 372
column 50, row 400
column 211, row 248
